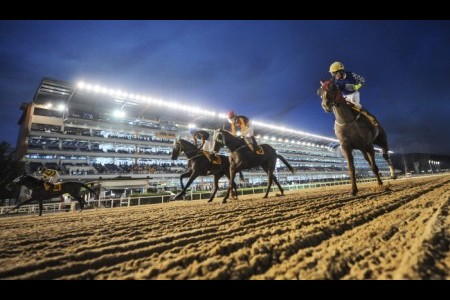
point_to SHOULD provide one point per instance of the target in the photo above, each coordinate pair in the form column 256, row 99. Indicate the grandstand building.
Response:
column 93, row 133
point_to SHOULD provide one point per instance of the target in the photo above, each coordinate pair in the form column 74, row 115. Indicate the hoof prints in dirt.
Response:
column 400, row 232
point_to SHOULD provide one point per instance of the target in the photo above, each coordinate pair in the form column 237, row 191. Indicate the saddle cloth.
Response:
column 56, row 187
column 216, row 160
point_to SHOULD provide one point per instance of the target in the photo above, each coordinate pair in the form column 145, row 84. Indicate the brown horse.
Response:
column 354, row 131
column 200, row 165
column 241, row 158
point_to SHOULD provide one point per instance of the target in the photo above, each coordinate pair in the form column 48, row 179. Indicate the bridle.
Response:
column 187, row 152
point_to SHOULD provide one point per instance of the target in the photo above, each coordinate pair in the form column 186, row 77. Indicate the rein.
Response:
column 189, row 152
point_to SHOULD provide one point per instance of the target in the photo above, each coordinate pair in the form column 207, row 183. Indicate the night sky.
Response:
column 267, row 70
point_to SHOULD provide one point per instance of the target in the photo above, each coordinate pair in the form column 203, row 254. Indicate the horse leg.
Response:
column 279, row 185
column 234, row 193
column 347, row 152
column 270, row 177
column 230, row 184
column 191, row 179
column 79, row 199
column 20, row 204
column 369, row 155
column 381, row 141
column 216, row 186
column 184, row 175
column 41, row 206
column 387, row 158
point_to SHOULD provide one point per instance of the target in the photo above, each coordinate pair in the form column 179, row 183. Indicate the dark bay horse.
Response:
column 241, row 158
column 39, row 193
column 200, row 165
column 354, row 132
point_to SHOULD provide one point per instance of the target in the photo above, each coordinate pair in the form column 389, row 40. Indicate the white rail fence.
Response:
column 128, row 201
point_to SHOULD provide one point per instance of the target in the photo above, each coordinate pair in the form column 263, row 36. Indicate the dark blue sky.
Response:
column 268, row 70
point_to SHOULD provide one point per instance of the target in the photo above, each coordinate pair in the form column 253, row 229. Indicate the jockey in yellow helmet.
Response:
column 348, row 82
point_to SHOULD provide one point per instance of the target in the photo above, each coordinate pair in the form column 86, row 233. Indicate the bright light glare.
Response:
column 119, row 114
column 61, row 107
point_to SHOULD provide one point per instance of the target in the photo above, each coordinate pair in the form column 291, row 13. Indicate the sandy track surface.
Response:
column 399, row 231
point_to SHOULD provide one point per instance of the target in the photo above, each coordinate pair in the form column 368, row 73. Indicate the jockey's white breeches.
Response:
column 353, row 98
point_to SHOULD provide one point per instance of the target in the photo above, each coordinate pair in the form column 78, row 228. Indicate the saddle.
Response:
column 365, row 113
column 259, row 150
column 215, row 160
column 52, row 187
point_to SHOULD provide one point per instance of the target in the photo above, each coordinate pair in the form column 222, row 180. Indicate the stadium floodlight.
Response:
column 119, row 113
column 49, row 105
column 81, row 85
column 266, row 137
column 190, row 126
column 97, row 88
column 273, row 138
column 61, row 107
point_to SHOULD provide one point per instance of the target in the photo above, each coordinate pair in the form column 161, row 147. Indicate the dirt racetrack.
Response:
column 400, row 231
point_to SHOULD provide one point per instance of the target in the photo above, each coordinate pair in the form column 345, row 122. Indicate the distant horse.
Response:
column 354, row 132
column 39, row 193
column 242, row 157
column 200, row 165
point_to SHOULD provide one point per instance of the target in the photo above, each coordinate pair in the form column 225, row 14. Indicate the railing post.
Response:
column 139, row 201
column 128, row 200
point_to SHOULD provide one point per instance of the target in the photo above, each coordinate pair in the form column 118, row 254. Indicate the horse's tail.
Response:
column 286, row 163
column 241, row 176
column 89, row 189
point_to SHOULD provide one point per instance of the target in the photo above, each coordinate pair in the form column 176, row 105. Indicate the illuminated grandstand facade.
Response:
column 89, row 132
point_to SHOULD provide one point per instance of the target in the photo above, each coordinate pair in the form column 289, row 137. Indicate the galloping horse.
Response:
column 200, row 165
column 39, row 193
column 354, row 132
column 241, row 158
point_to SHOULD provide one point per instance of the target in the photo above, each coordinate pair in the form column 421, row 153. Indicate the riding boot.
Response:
column 255, row 146
column 250, row 144
column 49, row 186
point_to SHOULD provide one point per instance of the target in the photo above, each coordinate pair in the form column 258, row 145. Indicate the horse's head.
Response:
column 218, row 140
column 329, row 93
column 16, row 182
column 176, row 149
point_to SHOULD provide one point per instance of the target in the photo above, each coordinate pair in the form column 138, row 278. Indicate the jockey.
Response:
column 203, row 135
column 348, row 82
column 246, row 128
column 49, row 176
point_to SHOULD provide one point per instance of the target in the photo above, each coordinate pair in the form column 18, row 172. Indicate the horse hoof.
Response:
column 353, row 193
column 279, row 195
column 224, row 201
column 265, row 197
column 210, row 200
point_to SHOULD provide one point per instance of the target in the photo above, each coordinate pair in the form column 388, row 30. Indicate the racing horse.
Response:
column 354, row 132
column 200, row 165
column 40, row 193
column 242, row 157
